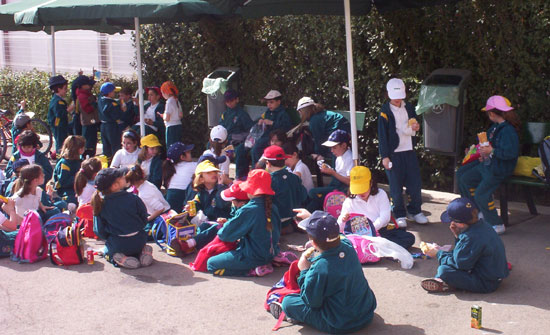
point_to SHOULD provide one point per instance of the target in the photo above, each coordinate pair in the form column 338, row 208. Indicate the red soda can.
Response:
column 90, row 256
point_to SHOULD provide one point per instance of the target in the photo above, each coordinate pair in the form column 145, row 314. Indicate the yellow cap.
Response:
column 118, row 89
column 203, row 167
column 360, row 177
column 150, row 141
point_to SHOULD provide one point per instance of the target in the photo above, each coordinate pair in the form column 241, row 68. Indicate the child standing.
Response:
column 218, row 141
column 27, row 148
column 335, row 296
column 86, row 107
column 128, row 154
column 396, row 128
column 58, row 118
column 177, row 174
column 110, row 113
column 367, row 199
column 67, row 167
column 153, row 113
column 478, row 181
column 256, row 227
column 288, row 188
column 296, row 166
column 119, row 219
column 172, row 113
column 132, row 111
column 28, row 193
column 85, row 178
column 149, row 159
column 338, row 142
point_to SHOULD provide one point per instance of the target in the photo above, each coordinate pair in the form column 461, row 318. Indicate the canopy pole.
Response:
column 140, row 80
column 351, row 84
column 52, row 31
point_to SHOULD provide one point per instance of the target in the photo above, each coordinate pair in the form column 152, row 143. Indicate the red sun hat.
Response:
column 258, row 182
column 234, row 192
column 275, row 153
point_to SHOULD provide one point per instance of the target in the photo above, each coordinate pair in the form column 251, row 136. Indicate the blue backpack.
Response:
column 54, row 224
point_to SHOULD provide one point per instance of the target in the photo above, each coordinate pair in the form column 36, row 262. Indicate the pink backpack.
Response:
column 333, row 203
column 364, row 248
column 30, row 243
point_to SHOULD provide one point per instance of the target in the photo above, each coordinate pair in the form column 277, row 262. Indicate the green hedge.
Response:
column 504, row 43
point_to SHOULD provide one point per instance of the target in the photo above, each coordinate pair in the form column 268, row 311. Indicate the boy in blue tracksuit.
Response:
column 58, row 118
column 478, row 261
column 110, row 113
column 335, row 296
column 256, row 226
column 397, row 127
column 478, row 181
column 289, row 191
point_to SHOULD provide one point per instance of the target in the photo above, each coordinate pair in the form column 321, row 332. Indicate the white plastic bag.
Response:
column 255, row 133
column 382, row 247
column 199, row 218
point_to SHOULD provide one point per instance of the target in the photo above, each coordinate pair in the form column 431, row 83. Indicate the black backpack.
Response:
column 544, row 154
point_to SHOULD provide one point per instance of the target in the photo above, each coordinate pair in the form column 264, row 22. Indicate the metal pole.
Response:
column 140, row 80
column 351, row 85
column 52, row 30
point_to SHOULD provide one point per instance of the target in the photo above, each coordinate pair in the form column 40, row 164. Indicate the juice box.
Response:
column 476, row 317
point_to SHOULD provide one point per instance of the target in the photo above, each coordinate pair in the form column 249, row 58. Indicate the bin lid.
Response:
column 434, row 95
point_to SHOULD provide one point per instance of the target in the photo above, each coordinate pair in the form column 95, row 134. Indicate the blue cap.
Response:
column 215, row 160
column 460, row 210
column 338, row 136
column 106, row 177
column 19, row 164
column 177, row 149
column 57, row 80
column 321, row 226
column 107, row 88
column 230, row 94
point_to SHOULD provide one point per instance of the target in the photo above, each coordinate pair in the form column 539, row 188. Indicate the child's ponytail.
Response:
column 97, row 203
column 268, row 204
column 87, row 171
column 28, row 173
column 218, row 147
column 513, row 119
column 135, row 174
column 169, row 170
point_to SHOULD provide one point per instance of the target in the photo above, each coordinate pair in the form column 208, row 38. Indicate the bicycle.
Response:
column 6, row 140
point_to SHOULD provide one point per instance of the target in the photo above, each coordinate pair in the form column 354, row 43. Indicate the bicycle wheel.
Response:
column 45, row 133
column 3, row 145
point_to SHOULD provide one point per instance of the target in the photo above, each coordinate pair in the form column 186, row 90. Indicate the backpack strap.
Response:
column 279, row 321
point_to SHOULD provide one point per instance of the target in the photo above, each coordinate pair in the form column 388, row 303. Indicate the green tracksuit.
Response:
column 290, row 193
column 39, row 158
column 58, row 120
column 110, row 114
column 322, row 125
column 63, row 176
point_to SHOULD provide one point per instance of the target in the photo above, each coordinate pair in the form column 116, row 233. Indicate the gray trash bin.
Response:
column 228, row 78
column 442, row 101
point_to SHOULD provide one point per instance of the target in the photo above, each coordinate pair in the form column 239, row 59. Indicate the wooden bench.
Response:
column 533, row 134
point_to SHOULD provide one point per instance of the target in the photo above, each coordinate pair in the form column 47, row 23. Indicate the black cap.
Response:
column 106, row 177
column 57, row 80
column 321, row 226
column 215, row 160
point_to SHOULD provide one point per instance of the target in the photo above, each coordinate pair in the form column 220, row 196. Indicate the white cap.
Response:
column 272, row 95
column 304, row 102
column 396, row 88
column 218, row 134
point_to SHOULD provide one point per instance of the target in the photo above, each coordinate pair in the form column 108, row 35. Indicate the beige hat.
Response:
column 273, row 94
column 304, row 102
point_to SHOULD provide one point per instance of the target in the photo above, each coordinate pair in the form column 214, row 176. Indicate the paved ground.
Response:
column 168, row 297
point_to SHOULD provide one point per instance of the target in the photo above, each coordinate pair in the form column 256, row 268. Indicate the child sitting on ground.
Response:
column 288, row 188
column 149, row 159
column 9, row 222
column 367, row 199
column 338, row 142
column 296, row 166
column 119, row 219
column 256, row 227
column 128, row 154
column 16, row 166
column 235, row 119
column 85, row 178
column 335, row 296
column 28, row 193
column 177, row 174
column 67, row 167
column 27, row 148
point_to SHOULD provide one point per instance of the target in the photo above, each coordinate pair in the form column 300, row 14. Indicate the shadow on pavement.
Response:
column 164, row 273
column 29, row 267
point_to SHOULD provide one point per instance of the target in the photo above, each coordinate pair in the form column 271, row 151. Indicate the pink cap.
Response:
column 498, row 102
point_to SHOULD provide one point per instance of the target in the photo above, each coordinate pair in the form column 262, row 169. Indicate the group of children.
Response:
column 246, row 216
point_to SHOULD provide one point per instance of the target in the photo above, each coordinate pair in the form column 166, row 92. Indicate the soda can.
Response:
column 90, row 256
column 476, row 317
column 192, row 208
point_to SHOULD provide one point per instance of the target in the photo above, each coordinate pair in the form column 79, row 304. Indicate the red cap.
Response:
column 234, row 192
column 275, row 153
column 258, row 182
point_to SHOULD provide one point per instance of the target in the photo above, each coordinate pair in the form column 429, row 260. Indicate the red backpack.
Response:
column 65, row 248
column 85, row 214
column 30, row 243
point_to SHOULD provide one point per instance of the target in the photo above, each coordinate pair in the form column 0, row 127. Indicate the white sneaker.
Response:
column 480, row 215
column 500, row 229
column 401, row 222
column 419, row 218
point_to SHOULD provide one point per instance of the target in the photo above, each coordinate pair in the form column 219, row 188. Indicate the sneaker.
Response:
column 146, row 257
column 401, row 222
column 419, row 218
column 275, row 308
column 434, row 285
column 124, row 261
column 263, row 270
column 479, row 215
column 499, row 228
column 284, row 258
column 181, row 248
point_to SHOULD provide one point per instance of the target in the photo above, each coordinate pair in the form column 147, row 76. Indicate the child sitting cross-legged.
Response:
column 84, row 180
column 119, row 219
column 335, row 296
column 28, row 193
column 177, row 173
